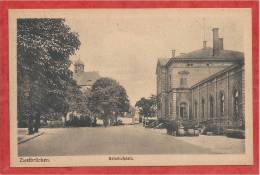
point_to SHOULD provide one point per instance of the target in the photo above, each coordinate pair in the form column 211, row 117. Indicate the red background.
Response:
column 4, row 85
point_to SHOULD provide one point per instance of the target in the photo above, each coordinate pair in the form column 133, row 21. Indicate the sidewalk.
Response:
column 24, row 137
column 218, row 144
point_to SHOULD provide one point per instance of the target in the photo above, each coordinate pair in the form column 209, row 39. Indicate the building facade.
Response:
column 84, row 79
column 205, row 85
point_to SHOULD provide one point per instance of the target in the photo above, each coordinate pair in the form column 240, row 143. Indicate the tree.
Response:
column 147, row 106
column 108, row 98
column 43, row 50
column 75, row 100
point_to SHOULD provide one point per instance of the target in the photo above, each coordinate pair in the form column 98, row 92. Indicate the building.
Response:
column 205, row 86
column 84, row 79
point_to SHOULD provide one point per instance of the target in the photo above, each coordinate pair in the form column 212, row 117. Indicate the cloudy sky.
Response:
column 125, row 44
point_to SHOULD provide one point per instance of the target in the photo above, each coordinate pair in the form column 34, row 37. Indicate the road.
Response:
column 133, row 139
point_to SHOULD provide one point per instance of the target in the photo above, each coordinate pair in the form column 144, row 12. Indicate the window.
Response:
column 170, row 108
column 235, row 102
column 222, row 104
column 202, row 108
column 183, row 79
column 170, row 81
column 195, row 109
column 211, row 105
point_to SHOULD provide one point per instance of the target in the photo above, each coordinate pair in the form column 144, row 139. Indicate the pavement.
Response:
column 218, row 144
column 23, row 135
column 127, row 139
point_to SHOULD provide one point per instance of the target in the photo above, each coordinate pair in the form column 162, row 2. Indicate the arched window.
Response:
column 235, row 102
column 211, row 105
column 222, row 104
column 202, row 108
column 195, row 110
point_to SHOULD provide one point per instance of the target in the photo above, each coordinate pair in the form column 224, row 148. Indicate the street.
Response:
column 128, row 139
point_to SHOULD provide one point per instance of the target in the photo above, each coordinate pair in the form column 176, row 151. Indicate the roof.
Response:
column 207, row 53
column 163, row 61
column 86, row 78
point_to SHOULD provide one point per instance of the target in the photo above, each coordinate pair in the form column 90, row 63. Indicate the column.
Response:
column 226, row 100
column 192, row 104
column 243, row 94
column 207, row 101
column 174, row 105
column 188, row 111
column 216, row 96
column 199, row 103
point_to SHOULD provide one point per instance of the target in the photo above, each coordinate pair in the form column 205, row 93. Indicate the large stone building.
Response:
column 205, row 85
column 84, row 79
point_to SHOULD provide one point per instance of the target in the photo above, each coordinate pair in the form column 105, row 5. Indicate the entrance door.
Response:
column 184, row 110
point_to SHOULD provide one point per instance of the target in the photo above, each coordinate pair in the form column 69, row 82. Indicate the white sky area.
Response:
column 125, row 44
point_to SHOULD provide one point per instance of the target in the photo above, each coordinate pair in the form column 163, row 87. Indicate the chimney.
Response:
column 204, row 44
column 220, row 40
column 215, row 41
column 173, row 53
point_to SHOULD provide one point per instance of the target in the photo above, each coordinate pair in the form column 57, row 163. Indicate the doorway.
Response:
column 184, row 110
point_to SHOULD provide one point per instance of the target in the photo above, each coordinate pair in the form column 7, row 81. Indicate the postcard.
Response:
column 106, row 87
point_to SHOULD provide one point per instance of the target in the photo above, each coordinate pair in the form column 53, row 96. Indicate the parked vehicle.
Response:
column 153, row 124
column 148, row 121
column 160, row 126
column 182, row 128
column 235, row 133
column 119, row 122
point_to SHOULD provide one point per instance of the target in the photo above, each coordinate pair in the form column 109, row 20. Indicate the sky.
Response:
column 126, row 44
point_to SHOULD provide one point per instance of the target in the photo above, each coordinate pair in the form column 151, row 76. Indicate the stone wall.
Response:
column 162, row 91
column 227, row 84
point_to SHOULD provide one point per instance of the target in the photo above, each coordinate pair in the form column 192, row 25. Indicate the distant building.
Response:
column 84, row 79
column 205, row 85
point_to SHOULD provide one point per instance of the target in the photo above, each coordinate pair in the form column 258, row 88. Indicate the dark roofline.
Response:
column 225, row 58
column 203, row 59
column 172, row 60
column 217, row 74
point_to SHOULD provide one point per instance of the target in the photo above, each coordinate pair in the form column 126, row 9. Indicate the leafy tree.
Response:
column 108, row 98
column 147, row 106
column 43, row 50
column 76, row 100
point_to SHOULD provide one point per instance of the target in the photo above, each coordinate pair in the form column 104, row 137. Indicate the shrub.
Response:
column 22, row 123
column 79, row 121
column 55, row 124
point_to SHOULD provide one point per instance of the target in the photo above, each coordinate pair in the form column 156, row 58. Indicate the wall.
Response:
column 226, row 84
column 161, row 91
column 197, row 72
